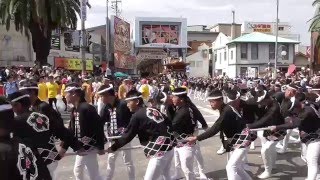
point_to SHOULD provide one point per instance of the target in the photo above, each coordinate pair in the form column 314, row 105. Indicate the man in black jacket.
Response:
column 117, row 115
column 86, row 125
column 154, row 132
column 56, row 122
column 18, row 160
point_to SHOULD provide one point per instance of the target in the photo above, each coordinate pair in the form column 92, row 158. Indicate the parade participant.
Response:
column 290, row 107
column 184, row 124
column 53, row 91
column 86, row 125
column 123, row 89
column 64, row 82
column 144, row 90
column 18, row 160
column 308, row 122
column 43, row 91
column 86, row 87
column 55, row 120
column 106, row 81
column 268, row 111
column 37, row 129
column 232, row 126
column 154, row 133
column 117, row 115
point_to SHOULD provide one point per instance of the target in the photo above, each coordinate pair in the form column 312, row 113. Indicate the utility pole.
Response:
column 115, row 7
column 276, row 45
column 83, row 35
column 107, row 34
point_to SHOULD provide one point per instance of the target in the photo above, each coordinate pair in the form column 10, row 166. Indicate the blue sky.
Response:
column 210, row 12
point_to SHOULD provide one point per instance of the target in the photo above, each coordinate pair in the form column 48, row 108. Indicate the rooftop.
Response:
column 257, row 37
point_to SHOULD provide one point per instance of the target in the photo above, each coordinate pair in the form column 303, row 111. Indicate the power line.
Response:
column 115, row 6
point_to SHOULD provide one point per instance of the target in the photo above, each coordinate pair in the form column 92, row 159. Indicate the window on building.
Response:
column 231, row 55
column 244, row 51
column 284, row 47
column 192, row 63
column 254, row 51
column 225, row 55
column 220, row 58
column 281, row 28
column 215, row 57
column 272, row 51
column 199, row 63
column 243, row 71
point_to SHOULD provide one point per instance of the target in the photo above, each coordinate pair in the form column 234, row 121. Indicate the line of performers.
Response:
column 167, row 130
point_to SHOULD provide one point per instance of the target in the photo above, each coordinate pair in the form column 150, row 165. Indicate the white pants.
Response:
column 52, row 169
column 100, row 105
column 269, row 155
column 235, row 170
column 91, row 163
column 126, row 156
column 159, row 166
column 186, row 156
column 199, row 158
column 313, row 151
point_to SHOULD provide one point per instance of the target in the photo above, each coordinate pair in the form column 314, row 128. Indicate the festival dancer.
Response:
column 18, row 160
column 233, row 127
column 117, row 115
column 308, row 122
column 86, row 125
column 55, row 122
column 268, row 111
column 154, row 132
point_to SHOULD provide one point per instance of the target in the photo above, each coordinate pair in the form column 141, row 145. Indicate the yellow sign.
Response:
column 73, row 64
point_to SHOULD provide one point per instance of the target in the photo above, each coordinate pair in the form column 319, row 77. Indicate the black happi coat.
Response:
column 91, row 127
column 19, row 161
column 123, row 114
column 152, row 128
column 35, row 128
column 56, row 124
column 229, row 123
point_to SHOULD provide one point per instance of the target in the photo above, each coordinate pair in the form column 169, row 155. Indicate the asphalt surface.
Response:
column 289, row 166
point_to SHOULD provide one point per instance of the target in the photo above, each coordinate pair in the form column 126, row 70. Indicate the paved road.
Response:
column 289, row 166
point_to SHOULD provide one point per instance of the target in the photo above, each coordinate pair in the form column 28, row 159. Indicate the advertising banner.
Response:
column 160, row 34
column 122, row 45
column 72, row 64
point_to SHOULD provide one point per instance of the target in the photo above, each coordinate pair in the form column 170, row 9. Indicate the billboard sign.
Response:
column 160, row 34
column 122, row 44
column 72, row 64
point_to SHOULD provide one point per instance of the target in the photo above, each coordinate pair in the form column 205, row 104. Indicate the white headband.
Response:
column 20, row 97
column 262, row 97
column 318, row 89
column 237, row 97
column 179, row 93
column 27, row 88
column 104, row 90
column 71, row 88
column 164, row 99
column 291, row 87
column 5, row 107
column 132, row 98
column 214, row 98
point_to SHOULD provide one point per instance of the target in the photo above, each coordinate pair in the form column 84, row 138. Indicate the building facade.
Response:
column 251, row 51
column 157, row 40
column 199, row 62
column 15, row 48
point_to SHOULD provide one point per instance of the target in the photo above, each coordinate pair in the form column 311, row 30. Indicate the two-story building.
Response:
column 255, row 50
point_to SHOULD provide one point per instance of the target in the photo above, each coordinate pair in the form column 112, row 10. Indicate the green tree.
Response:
column 40, row 18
